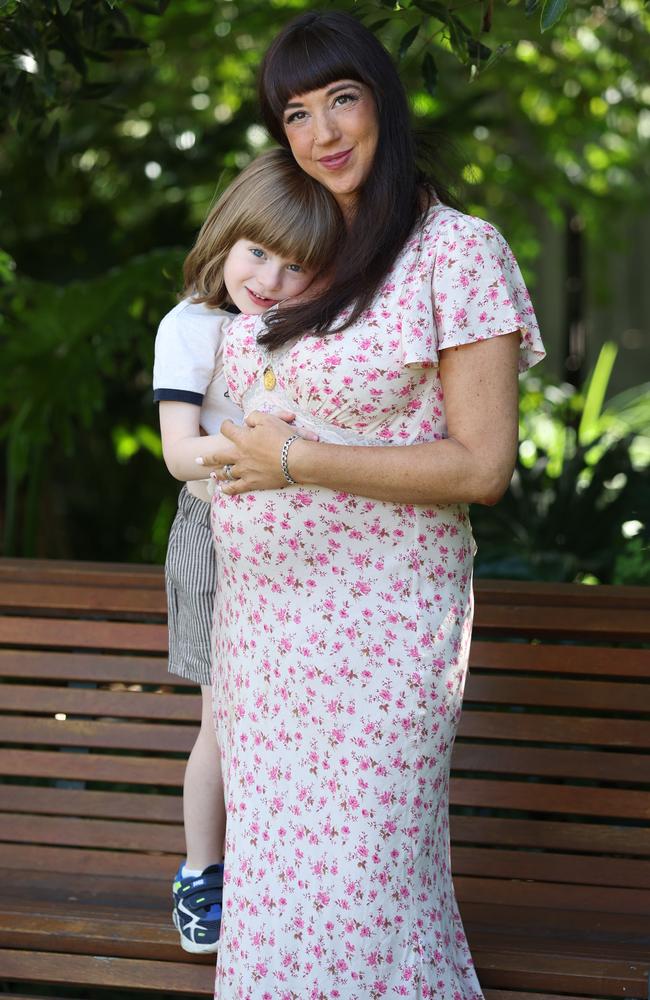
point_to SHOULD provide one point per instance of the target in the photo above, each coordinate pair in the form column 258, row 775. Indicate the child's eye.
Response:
column 296, row 268
column 256, row 252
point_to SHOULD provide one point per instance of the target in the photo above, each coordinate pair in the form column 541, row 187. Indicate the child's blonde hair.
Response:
column 272, row 202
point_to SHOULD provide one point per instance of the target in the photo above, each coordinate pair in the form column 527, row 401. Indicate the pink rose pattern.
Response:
column 341, row 637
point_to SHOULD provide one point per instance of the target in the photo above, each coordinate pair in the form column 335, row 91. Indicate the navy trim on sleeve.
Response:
column 177, row 396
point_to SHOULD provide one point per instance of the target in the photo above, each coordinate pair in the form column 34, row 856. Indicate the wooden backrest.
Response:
column 551, row 765
column 95, row 732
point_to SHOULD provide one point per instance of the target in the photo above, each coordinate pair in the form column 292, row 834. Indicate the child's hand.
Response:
column 228, row 454
column 290, row 417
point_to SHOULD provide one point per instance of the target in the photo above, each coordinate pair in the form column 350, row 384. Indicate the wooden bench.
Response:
column 550, row 791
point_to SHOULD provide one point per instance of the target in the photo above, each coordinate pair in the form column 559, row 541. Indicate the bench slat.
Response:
column 57, row 633
column 129, row 894
column 94, row 934
column 124, row 735
column 596, row 765
column 83, row 598
column 612, row 933
column 88, row 667
column 46, row 861
column 547, row 895
column 562, row 622
column 121, row 973
column 563, row 659
column 91, row 803
column 27, row 698
column 577, row 973
column 587, row 695
column 540, row 594
column 594, row 838
column 55, row 571
column 567, row 868
column 106, row 834
column 546, row 797
column 530, row 727
column 93, row 767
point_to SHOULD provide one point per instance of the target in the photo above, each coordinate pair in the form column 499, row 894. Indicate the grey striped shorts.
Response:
column 191, row 581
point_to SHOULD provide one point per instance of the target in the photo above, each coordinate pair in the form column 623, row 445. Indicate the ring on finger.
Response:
column 227, row 473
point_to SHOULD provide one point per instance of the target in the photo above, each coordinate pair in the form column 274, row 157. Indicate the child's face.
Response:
column 257, row 279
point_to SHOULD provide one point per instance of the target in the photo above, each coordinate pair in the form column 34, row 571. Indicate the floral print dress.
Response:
column 341, row 638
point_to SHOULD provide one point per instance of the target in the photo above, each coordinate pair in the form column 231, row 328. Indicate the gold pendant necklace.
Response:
column 269, row 379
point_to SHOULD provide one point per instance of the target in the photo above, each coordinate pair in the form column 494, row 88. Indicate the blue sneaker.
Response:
column 197, row 909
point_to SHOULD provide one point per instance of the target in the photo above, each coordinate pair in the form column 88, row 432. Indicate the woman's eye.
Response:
column 344, row 98
column 295, row 116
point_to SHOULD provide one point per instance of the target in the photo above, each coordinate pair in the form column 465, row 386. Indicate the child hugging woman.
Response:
column 263, row 242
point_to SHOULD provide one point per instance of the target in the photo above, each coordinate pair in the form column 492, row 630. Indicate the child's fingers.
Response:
column 209, row 460
column 290, row 417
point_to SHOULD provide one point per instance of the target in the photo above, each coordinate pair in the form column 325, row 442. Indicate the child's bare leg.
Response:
column 204, row 809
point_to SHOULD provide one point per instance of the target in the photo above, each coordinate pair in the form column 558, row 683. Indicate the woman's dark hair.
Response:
column 312, row 51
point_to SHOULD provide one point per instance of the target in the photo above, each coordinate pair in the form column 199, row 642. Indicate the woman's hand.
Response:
column 258, row 447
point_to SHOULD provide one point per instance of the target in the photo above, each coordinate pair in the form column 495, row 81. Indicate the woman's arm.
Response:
column 472, row 465
column 183, row 443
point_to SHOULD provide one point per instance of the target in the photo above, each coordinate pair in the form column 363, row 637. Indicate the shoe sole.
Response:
column 191, row 946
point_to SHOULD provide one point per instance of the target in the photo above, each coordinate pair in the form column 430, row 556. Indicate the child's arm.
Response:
column 183, row 443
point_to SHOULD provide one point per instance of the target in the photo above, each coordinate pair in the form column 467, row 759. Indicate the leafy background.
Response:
column 122, row 120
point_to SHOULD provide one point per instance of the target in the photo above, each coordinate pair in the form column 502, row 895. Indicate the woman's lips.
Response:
column 259, row 300
column 337, row 160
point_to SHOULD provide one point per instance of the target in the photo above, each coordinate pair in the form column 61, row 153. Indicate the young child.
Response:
column 262, row 243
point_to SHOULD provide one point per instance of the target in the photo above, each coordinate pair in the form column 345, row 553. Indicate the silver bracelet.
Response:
column 284, row 459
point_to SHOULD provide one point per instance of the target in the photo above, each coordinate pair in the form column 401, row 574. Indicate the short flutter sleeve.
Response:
column 471, row 290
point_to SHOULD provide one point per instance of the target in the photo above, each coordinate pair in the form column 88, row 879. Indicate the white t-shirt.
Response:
column 188, row 367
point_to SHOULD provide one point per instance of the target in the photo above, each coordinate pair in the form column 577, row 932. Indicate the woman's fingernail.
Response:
column 199, row 461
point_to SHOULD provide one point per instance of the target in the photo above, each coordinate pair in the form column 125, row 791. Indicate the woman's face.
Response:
column 333, row 134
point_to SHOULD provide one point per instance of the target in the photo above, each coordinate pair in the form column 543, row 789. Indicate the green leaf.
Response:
column 64, row 6
column 552, row 11
column 496, row 55
column 7, row 268
column 460, row 37
column 435, row 9
column 531, row 6
column 595, row 394
column 407, row 41
column 477, row 51
column 378, row 25
column 430, row 73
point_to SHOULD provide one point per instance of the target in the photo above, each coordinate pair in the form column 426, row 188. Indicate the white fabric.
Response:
column 188, row 359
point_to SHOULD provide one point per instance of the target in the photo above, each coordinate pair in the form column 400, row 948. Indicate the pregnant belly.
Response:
column 326, row 598
column 315, row 538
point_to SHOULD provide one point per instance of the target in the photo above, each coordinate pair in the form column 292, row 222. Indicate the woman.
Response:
column 346, row 606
